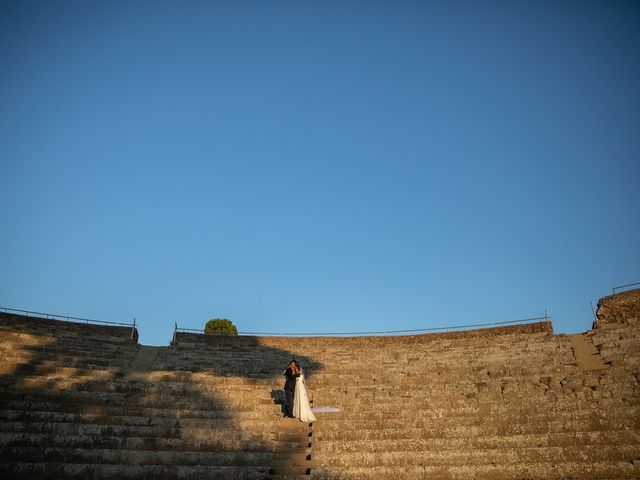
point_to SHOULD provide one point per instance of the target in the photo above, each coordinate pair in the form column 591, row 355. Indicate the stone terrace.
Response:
column 81, row 401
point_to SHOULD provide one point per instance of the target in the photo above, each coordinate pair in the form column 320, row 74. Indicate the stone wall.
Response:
column 41, row 325
column 623, row 307
column 186, row 338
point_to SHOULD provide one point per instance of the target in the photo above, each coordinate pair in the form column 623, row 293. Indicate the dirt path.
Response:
column 586, row 353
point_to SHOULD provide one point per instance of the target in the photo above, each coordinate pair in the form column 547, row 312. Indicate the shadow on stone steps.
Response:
column 77, row 385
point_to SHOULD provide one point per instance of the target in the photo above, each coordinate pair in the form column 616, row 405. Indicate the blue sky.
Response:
column 318, row 166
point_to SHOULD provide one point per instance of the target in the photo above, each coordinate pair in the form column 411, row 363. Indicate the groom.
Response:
column 289, row 388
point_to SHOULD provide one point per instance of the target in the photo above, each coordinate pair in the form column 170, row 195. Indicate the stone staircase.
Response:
column 518, row 406
column 585, row 352
column 142, row 364
column 292, row 453
column 81, row 401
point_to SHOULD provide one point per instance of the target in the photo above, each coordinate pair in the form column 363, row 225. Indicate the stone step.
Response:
column 65, row 412
column 62, row 372
column 208, row 409
column 152, row 379
column 132, row 416
column 99, row 381
column 507, row 393
column 24, row 333
column 524, row 365
column 113, row 388
column 44, row 367
column 440, row 380
column 428, row 362
column 611, row 437
column 57, row 343
column 57, row 337
column 627, row 393
column 292, row 461
column 334, row 372
column 532, row 471
column 229, row 443
column 69, row 354
column 56, row 471
column 343, row 347
column 354, row 432
column 371, row 377
column 117, row 412
column 301, row 446
column 585, row 352
column 106, row 381
column 273, row 476
column 492, row 420
column 517, row 414
column 52, row 422
column 421, row 385
column 65, row 352
column 65, row 429
column 70, row 348
column 87, row 397
column 473, row 456
column 137, row 457
column 474, row 410
column 294, row 464
column 268, row 427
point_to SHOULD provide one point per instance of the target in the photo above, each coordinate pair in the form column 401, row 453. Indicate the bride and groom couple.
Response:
column 296, row 400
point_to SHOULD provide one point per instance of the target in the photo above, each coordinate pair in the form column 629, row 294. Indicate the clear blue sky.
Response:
column 318, row 166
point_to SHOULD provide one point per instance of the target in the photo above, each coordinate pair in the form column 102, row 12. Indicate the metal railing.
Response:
column 624, row 287
column 176, row 329
column 67, row 318
column 545, row 318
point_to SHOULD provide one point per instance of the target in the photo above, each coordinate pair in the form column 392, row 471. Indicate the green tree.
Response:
column 220, row 326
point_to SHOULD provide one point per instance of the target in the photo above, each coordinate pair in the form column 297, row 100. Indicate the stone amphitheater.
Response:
column 85, row 401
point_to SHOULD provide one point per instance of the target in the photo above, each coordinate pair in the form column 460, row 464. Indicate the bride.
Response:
column 301, row 408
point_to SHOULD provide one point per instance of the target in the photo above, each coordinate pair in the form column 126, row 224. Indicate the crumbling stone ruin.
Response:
column 88, row 402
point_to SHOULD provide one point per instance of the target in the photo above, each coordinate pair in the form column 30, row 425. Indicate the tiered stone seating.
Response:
column 504, row 403
column 508, row 405
column 244, row 375
column 55, row 378
column 70, row 407
column 496, row 403
column 518, row 408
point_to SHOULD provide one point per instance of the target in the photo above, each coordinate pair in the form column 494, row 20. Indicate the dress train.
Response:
column 301, row 407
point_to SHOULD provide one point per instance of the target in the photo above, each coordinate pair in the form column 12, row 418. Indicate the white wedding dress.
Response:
column 301, row 408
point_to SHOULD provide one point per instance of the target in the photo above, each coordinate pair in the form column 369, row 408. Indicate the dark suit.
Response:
column 289, row 390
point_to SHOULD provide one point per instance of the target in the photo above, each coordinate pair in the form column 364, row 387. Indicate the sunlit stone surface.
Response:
column 86, row 401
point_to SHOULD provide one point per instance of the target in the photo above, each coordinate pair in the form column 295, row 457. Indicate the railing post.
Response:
column 133, row 328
